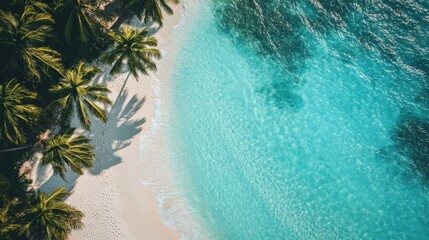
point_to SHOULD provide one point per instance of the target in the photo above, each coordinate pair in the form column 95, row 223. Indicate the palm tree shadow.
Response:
column 116, row 134
column 104, row 77
column 151, row 26
column 56, row 181
column 113, row 136
column 153, row 30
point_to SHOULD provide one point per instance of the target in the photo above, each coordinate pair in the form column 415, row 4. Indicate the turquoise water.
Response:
column 305, row 119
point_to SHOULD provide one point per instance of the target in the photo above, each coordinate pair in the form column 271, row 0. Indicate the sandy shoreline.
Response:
column 114, row 195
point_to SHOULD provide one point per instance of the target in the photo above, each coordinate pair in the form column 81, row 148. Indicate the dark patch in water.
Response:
column 286, row 31
column 280, row 94
column 270, row 29
column 396, row 29
column 422, row 64
column 423, row 98
column 411, row 137
column 273, row 32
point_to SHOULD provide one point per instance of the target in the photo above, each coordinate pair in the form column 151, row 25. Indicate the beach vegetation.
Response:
column 76, row 95
column 78, row 19
column 48, row 53
column 151, row 10
column 133, row 48
column 39, row 216
column 46, row 216
column 8, row 216
column 17, row 111
column 67, row 149
column 23, row 43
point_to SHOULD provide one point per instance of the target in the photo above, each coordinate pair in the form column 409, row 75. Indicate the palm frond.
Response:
column 17, row 111
column 24, row 36
column 48, row 217
column 76, row 94
column 68, row 150
column 80, row 20
column 134, row 49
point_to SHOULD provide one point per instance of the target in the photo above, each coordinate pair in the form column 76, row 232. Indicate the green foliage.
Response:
column 17, row 113
column 8, row 216
column 68, row 150
column 75, row 94
column 4, row 185
column 78, row 18
column 36, row 38
column 19, row 5
column 23, row 39
column 47, row 217
column 133, row 48
column 150, row 9
column 12, row 185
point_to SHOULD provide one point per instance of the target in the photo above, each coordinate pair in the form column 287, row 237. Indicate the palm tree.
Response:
column 7, row 218
column 75, row 91
column 151, row 9
column 16, row 111
column 23, row 39
column 68, row 150
column 48, row 217
column 133, row 48
column 18, row 5
column 78, row 17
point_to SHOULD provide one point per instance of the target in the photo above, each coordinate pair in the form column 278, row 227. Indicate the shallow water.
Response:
column 305, row 119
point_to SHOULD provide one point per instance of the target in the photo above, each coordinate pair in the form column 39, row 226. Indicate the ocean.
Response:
column 304, row 119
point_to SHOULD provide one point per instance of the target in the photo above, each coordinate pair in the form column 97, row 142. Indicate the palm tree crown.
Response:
column 7, row 218
column 151, row 9
column 75, row 91
column 66, row 149
column 48, row 217
column 135, row 48
column 23, row 40
column 16, row 111
column 79, row 20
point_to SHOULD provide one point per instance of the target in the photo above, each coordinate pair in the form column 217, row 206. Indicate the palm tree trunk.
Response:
column 17, row 148
column 120, row 92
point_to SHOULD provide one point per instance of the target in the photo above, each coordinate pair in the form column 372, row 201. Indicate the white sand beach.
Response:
column 117, row 203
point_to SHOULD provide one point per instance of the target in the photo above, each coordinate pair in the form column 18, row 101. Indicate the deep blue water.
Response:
column 305, row 119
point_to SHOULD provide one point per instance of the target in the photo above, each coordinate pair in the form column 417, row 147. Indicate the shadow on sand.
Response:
column 116, row 134
column 108, row 138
